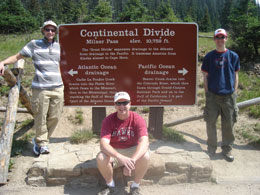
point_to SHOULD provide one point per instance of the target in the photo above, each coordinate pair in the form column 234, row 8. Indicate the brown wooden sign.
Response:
column 155, row 63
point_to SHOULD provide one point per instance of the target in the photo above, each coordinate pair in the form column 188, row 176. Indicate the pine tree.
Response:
column 14, row 18
column 164, row 13
column 70, row 12
column 102, row 12
column 134, row 11
column 205, row 24
column 224, row 18
column 83, row 10
column 245, row 29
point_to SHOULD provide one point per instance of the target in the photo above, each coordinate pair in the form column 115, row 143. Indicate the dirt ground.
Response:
column 240, row 177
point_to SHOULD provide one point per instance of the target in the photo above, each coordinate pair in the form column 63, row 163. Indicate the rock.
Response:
column 84, row 156
column 178, row 167
column 56, row 181
column 63, row 166
column 201, row 171
column 156, row 166
column 37, row 169
column 36, row 181
column 173, row 179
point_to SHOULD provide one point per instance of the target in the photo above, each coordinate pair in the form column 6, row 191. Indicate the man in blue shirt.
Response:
column 220, row 69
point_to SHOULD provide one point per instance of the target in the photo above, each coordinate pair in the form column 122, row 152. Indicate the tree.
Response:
column 205, row 24
column 245, row 29
column 35, row 9
column 102, row 12
column 14, row 17
column 134, row 11
column 164, row 13
column 83, row 10
column 224, row 18
column 70, row 11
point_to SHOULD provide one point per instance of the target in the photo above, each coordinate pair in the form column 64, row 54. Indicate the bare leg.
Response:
column 141, row 167
column 105, row 167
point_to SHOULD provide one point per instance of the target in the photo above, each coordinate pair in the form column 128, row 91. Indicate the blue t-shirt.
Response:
column 221, row 68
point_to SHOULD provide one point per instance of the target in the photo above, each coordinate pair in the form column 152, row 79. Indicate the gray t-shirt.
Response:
column 46, row 59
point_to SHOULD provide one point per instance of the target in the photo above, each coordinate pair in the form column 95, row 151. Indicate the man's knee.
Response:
column 145, row 157
column 102, row 158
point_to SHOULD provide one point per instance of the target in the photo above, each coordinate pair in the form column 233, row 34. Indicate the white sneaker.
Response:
column 44, row 150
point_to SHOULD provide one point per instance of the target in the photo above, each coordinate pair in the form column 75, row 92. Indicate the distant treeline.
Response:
column 27, row 15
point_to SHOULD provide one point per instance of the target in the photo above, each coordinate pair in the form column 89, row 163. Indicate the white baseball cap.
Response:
column 220, row 31
column 121, row 95
column 48, row 23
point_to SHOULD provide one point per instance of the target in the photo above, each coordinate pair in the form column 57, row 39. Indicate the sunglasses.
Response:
column 122, row 103
column 218, row 38
column 48, row 30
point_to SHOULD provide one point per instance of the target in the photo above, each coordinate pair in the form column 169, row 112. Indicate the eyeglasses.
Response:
column 122, row 103
column 218, row 38
column 48, row 30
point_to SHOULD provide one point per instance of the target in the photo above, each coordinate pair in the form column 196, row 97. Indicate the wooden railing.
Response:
column 16, row 92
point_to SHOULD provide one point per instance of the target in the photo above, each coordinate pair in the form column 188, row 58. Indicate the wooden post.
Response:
column 19, row 110
column 98, row 115
column 156, row 122
column 11, row 80
column 8, row 130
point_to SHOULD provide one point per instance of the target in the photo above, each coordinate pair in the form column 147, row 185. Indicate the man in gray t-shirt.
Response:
column 47, row 85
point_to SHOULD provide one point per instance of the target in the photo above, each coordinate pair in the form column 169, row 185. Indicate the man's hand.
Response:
column 127, row 162
column 2, row 68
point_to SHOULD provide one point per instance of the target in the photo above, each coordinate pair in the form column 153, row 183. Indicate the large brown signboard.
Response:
column 155, row 63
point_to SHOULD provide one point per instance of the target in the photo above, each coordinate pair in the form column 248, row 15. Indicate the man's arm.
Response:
column 110, row 151
column 236, row 82
column 205, row 76
column 141, row 148
column 9, row 60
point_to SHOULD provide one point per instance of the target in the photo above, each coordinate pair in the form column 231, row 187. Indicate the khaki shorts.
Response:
column 126, row 152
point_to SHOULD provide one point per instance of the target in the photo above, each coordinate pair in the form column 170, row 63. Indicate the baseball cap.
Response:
column 48, row 23
column 220, row 31
column 121, row 95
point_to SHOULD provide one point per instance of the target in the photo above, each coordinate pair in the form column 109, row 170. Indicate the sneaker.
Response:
column 44, row 150
column 134, row 191
column 109, row 191
column 36, row 148
column 228, row 156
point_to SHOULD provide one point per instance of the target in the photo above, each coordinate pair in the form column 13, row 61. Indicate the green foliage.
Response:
column 172, row 135
column 134, row 11
column 27, row 122
column 245, row 29
column 249, row 88
column 205, row 23
column 249, row 133
column 81, row 136
column 102, row 12
column 164, row 13
column 79, row 117
column 4, row 90
column 19, row 145
column 133, row 108
column 14, row 18
column 145, row 110
column 11, row 164
column 225, row 20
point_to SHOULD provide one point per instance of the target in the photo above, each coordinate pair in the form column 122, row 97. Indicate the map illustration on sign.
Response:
column 156, row 63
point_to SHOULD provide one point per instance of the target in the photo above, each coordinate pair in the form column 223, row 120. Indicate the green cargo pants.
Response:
column 47, row 107
column 226, row 107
